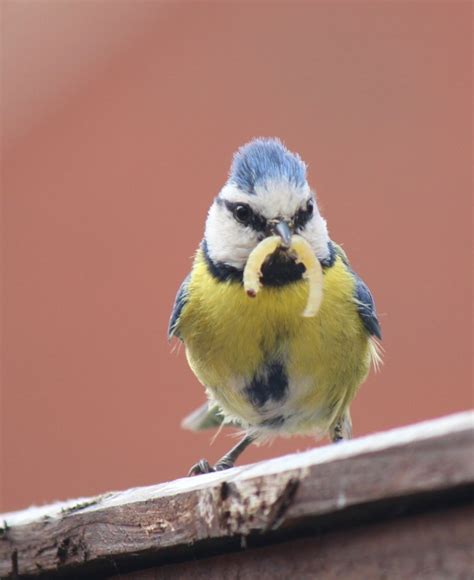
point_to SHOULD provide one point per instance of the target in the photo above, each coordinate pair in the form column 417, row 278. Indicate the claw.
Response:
column 221, row 465
column 200, row 468
column 225, row 462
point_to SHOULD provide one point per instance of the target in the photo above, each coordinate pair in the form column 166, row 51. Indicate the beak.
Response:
column 282, row 229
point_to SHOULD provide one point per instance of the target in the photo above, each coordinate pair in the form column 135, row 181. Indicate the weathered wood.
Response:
column 432, row 545
column 339, row 485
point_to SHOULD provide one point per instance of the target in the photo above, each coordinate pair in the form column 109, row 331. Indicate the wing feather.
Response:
column 179, row 304
column 363, row 298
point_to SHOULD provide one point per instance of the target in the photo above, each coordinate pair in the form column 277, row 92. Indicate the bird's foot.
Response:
column 200, row 468
column 203, row 466
column 223, row 464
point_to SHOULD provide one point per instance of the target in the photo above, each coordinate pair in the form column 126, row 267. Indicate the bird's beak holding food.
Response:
column 283, row 229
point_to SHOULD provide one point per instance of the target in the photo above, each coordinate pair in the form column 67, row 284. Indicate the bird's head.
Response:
column 267, row 193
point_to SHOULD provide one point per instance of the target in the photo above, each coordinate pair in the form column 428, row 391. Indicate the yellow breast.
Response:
column 229, row 336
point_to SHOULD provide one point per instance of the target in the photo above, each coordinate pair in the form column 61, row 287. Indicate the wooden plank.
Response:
column 119, row 531
column 436, row 544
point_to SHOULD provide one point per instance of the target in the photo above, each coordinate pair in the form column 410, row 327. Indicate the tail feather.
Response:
column 375, row 353
column 205, row 417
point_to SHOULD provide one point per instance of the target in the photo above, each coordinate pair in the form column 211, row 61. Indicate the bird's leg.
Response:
column 336, row 433
column 225, row 462
column 228, row 460
column 341, row 429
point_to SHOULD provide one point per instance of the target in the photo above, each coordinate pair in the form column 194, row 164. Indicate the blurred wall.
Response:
column 119, row 122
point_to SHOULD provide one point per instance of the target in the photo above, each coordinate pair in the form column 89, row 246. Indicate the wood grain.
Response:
column 412, row 468
column 432, row 545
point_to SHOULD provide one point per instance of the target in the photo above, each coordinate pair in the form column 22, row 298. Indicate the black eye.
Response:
column 242, row 213
column 310, row 207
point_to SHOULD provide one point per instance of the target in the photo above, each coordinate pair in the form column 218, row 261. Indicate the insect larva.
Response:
column 304, row 255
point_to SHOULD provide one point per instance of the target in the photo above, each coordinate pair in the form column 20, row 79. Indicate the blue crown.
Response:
column 264, row 160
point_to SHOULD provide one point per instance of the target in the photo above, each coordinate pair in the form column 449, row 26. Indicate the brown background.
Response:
column 119, row 121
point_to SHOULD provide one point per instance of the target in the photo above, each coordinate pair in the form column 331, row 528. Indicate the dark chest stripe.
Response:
column 271, row 385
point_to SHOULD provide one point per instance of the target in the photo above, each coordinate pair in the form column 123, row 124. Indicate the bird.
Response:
column 266, row 369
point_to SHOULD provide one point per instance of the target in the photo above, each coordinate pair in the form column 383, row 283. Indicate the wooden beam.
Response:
column 338, row 486
column 435, row 544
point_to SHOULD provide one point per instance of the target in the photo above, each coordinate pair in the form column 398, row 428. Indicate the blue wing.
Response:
column 179, row 303
column 366, row 307
column 363, row 298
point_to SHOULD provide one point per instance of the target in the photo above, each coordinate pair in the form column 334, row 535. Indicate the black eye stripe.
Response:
column 255, row 220
column 303, row 216
column 258, row 223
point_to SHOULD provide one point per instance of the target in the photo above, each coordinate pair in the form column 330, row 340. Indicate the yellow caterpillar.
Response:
column 303, row 254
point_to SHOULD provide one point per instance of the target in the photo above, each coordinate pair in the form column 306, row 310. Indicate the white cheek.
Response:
column 316, row 234
column 228, row 241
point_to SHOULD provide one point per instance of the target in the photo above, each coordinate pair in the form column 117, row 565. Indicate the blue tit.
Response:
column 264, row 367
